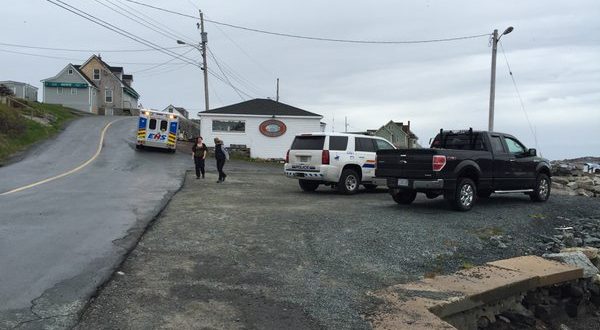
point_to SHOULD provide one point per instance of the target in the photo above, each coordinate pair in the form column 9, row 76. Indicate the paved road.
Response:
column 257, row 253
column 61, row 239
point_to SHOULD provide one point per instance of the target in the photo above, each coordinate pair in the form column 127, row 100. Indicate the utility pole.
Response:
column 204, row 65
column 495, row 39
column 277, row 96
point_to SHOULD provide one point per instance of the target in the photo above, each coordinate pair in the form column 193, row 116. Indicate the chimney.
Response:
column 409, row 125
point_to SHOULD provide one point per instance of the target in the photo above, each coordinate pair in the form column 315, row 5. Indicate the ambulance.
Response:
column 157, row 129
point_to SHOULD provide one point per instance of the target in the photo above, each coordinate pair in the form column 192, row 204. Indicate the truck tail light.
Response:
column 438, row 163
column 325, row 157
column 287, row 156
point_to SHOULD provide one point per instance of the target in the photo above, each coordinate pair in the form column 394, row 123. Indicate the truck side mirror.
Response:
column 532, row 152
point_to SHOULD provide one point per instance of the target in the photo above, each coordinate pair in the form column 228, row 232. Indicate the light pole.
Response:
column 495, row 39
column 202, row 50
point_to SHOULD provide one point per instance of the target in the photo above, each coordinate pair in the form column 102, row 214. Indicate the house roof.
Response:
column 128, row 76
column 263, row 107
column 90, row 81
column 126, row 88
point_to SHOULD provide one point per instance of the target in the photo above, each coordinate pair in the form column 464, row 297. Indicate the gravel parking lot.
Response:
column 257, row 252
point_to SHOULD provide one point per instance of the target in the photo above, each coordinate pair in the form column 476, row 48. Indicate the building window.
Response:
column 73, row 91
column 108, row 96
column 70, row 72
column 237, row 126
column 96, row 74
column 59, row 90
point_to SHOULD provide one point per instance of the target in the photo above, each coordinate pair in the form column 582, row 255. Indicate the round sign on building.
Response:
column 272, row 128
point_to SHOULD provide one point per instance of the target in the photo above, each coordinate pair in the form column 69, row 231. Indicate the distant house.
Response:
column 265, row 126
column 21, row 90
column 177, row 110
column 94, row 86
column 591, row 168
column 396, row 132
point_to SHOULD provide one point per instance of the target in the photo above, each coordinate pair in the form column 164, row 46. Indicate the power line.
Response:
column 71, row 58
column 354, row 41
column 164, row 63
column 88, row 50
column 118, row 30
column 223, row 67
column 230, row 85
column 223, row 73
column 512, row 77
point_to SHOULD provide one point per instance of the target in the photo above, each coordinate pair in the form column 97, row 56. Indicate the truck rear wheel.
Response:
column 404, row 196
column 308, row 185
column 541, row 192
column 349, row 182
column 464, row 195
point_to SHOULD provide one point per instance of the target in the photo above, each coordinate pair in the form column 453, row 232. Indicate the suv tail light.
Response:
column 325, row 157
column 438, row 163
column 287, row 156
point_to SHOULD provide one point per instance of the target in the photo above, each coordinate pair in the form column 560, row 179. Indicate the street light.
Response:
column 495, row 39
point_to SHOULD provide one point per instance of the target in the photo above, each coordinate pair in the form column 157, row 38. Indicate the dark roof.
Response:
column 265, row 107
column 128, row 76
column 115, row 68
column 77, row 67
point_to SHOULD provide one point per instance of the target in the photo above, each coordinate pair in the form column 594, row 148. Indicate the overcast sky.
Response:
column 554, row 53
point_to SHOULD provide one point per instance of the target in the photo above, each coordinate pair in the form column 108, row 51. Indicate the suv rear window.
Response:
column 308, row 142
column 338, row 143
column 365, row 144
column 459, row 141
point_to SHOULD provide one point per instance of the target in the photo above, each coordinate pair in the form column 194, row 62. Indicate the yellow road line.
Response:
column 68, row 172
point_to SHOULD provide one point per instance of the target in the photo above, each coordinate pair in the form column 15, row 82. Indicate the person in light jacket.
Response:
column 221, row 156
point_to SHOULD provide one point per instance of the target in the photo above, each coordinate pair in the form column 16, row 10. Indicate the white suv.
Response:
column 339, row 160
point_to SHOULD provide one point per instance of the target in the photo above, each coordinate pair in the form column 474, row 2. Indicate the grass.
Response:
column 18, row 132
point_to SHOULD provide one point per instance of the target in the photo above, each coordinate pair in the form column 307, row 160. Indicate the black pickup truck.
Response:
column 462, row 166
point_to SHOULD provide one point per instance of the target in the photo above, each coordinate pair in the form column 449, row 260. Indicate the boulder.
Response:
column 560, row 179
column 577, row 259
column 583, row 192
column 573, row 185
column 590, row 252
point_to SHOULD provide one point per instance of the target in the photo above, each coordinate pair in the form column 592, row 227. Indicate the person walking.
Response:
column 199, row 155
column 221, row 156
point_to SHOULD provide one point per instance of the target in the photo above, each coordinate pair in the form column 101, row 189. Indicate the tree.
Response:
column 5, row 91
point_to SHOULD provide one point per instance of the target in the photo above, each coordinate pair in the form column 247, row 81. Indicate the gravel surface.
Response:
column 257, row 252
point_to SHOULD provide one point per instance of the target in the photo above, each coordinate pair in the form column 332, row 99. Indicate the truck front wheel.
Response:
column 403, row 197
column 308, row 185
column 541, row 192
column 464, row 195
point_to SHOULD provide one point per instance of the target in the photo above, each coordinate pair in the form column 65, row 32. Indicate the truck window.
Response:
column 459, row 141
column 308, row 142
column 497, row 146
column 163, row 125
column 152, row 124
column 364, row 144
column 338, row 143
column 514, row 146
column 382, row 145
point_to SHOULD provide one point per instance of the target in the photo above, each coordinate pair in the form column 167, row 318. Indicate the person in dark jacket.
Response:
column 199, row 155
column 221, row 155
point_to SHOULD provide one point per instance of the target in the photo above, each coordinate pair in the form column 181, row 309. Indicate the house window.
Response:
column 70, row 72
column 108, row 96
column 73, row 91
column 59, row 90
column 237, row 126
column 96, row 74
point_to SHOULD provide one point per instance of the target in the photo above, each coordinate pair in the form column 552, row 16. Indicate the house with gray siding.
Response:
column 177, row 110
column 397, row 133
column 71, row 88
column 108, row 89
column 22, row 90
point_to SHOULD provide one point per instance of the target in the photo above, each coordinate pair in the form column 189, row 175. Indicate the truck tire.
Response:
column 541, row 191
column 464, row 195
column 404, row 197
column 349, row 182
column 308, row 185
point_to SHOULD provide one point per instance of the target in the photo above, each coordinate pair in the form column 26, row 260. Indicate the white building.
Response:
column 22, row 90
column 265, row 126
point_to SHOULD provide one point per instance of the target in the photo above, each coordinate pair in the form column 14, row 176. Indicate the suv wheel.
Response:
column 404, row 196
column 349, row 182
column 541, row 192
column 308, row 185
column 464, row 195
